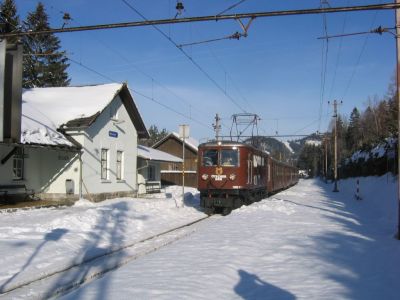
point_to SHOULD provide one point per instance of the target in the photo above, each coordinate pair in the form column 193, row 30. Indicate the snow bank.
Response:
column 303, row 243
column 383, row 149
column 38, row 242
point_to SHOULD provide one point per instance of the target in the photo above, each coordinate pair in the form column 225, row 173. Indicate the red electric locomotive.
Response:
column 231, row 174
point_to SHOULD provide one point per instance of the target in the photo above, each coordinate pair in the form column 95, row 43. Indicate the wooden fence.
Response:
column 175, row 178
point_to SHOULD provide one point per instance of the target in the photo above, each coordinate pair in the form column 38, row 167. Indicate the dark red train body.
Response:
column 231, row 174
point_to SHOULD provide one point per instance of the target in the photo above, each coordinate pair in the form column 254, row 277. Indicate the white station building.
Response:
column 75, row 142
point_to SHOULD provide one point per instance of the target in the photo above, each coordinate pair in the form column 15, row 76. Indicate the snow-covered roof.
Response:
column 45, row 110
column 191, row 142
column 156, row 155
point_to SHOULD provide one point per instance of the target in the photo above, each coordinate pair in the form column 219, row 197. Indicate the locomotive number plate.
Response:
column 218, row 177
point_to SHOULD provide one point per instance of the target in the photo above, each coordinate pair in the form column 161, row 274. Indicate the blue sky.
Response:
column 275, row 72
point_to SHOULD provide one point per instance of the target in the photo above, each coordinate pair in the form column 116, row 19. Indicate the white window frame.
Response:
column 120, row 165
column 114, row 112
column 104, row 164
column 18, row 164
column 151, row 173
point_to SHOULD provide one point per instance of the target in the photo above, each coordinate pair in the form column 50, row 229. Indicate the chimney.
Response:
column 10, row 92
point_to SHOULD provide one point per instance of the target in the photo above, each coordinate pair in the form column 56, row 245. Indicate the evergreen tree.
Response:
column 44, row 64
column 9, row 21
column 393, row 113
column 155, row 136
column 354, row 131
column 310, row 159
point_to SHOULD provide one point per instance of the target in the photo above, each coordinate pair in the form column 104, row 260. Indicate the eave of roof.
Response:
column 129, row 103
column 46, row 146
column 175, row 136
column 148, row 153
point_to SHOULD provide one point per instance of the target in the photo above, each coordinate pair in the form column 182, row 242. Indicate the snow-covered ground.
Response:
column 306, row 242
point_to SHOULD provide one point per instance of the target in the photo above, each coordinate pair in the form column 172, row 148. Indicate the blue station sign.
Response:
column 113, row 134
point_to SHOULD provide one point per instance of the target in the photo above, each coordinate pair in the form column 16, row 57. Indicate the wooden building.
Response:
column 148, row 166
column 171, row 173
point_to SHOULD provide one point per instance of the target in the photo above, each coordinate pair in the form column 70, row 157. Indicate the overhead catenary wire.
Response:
column 197, row 65
column 236, row 36
column 379, row 30
column 142, row 94
column 324, row 63
column 228, row 75
column 153, row 80
column 231, row 7
column 338, row 55
column 385, row 6
column 359, row 58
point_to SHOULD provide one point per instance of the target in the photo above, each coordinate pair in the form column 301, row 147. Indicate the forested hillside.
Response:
column 366, row 140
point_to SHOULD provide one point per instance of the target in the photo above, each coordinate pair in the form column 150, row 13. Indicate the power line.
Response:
column 379, row 30
column 123, row 57
column 359, row 58
column 236, row 36
column 187, row 56
column 324, row 70
column 190, row 105
column 141, row 94
column 229, row 76
column 384, row 6
column 308, row 125
column 231, row 7
column 338, row 55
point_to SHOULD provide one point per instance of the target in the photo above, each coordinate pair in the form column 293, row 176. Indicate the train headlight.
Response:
column 232, row 176
column 204, row 176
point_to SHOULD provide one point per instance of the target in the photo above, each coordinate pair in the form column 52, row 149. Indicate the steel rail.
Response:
column 111, row 252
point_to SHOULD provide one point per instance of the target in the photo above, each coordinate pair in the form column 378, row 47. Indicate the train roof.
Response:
column 240, row 144
column 224, row 143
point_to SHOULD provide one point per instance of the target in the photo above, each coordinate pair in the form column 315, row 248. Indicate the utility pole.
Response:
column 335, row 115
column 217, row 127
column 326, row 159
column 398, row 114
column 183, row 134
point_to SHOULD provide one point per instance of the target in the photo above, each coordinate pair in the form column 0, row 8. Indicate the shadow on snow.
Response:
column 363, row 259
column 251, row 287
column 109, row 231
column 53, row 236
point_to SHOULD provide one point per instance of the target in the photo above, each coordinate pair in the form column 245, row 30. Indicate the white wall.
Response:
column 97, row 137
column 45, row 170
column 143, row 173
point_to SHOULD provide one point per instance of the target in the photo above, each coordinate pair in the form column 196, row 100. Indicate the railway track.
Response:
column 63, row 281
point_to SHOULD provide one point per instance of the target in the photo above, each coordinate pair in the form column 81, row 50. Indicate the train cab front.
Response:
column 218, row 177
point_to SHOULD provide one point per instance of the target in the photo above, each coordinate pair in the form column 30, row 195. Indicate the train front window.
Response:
column 210, row 158
column 230, row 157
